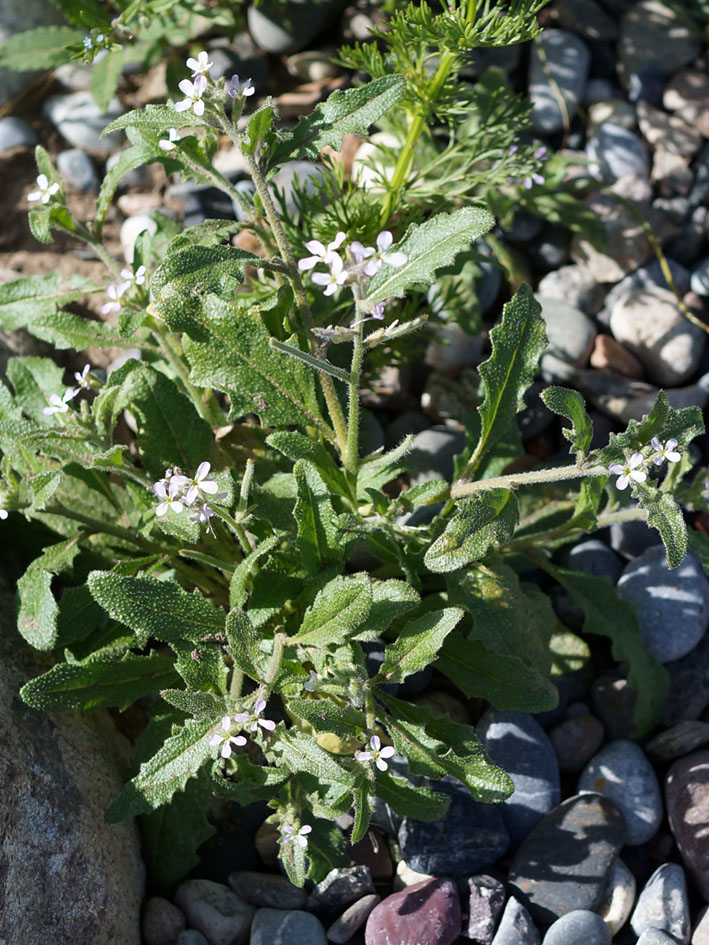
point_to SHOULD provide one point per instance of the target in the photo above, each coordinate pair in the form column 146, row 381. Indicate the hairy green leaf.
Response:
column 337, row 612
column 42, row 48
column 245, row 569
column 664, row 514
column 418, row 644
column 105, row 75
column 153, row 118
column 243, row 642
column 481, row 522
column 569, row 404
column 23, row 301
column 409, row 801
column 318, row 538
column 327, row 716
column 390, row 600
column 37, row 610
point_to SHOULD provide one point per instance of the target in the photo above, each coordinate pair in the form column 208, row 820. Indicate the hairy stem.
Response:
column 460, row 489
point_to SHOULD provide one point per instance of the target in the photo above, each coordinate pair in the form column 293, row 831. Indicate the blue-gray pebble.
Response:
column 285, row 927
column 614, row 152
column 672, row 606
column 594, row 557
column 567, row 60
column 580, row 927
column 80, row 121
column 15, row 133
column 517, row 742
column 622, row 773
column 77, row 168
column 516, row 926
column 663, row 904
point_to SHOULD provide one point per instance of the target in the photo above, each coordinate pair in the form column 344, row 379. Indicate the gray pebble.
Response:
column 672, row 605
column 340, row 888
column 656, row 937
column 618, row 896
column 594, row 557
column 161, row 922
column 267, row 890
column 15, row 133
column 215, row 910
column 632, row 539
column 699, row 281
column 663, row 904
column 570, row 334
column 191, row 937
column 678, row 740
column 139, row 177
column 575, row 740
column 652, row 34
column 80, row 121
column 574, row 285
column 287, row 27
column 580, row 927
column 77, row 168
column 486, row 900
column 516, row 926
column 352, row 918
column 613, row 152
column 622, row 773
column 432, row 452
column 283, row 927
column 567, row 62
column 613, row 701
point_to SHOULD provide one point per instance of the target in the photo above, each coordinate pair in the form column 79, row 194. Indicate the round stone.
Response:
column 699, row 281
column 519, row 745
column 570, row 334
column 15, row 133
column 618, row 896
column 427, row 912
column 688, row 692
column 574, row 285
column 613, row 152
column 77, row 168
column 431, row 454
column 352, row 918
column 215, row 910
column 566, row 64
column 663, row 904
column 268, row 890
column 162, row 922
column 286, row 27
column 672, row 605
column 594, row 557
column 680, row 739
column 516, row 926
column 651, row 32
column 576, row 739
column 621, row 772
column 80, row 121
column 562, row 865
column 687, row 796
column 579, row 927
column 284, row 927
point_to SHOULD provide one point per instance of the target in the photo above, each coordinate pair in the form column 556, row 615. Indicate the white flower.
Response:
column 299, row 836
column 311, row 682
column 227, row 739
column 377, row 754
column 138, row 276
column 631, row 470
column 3, row 514
column 82, row 377
column 46, row 190
column 114, row 293
column 200, row 66
column 59, row 404
column 332, row 280
column 202, row 482
column 193, row 92
column 666, row 452
column 254, row 718
column 241, row 89
column 320, row 253
column 168, row 144
column 379, row 255
column 171, row 496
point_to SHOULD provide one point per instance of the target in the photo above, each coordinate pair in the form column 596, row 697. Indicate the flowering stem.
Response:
column 460, row 489
column 351, row 457
column 279, row 642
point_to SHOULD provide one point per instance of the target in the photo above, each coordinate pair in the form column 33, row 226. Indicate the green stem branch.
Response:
column 460, row 489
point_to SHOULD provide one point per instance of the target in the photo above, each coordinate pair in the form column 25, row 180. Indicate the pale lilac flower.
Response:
column 531, row 180
column 666, row 452
column 332, row 280
column 514, row 148
column 227, row 739
column 202, row 482
column 82, row 377
column 173, row 476
column 168, row 144
column 171, row 496
column 540, row 153
column 241, row 89
column 193, row 92
column 59, row 404
column 3, row 514
column 200, row 66
column 299, row 836
column 378, row 311
column 631, row 470
column 138, row 276
column 379, row 255
column 311, row 682
column 46, row 190
column 254, row 718
column 321, row 253
column 377, row 754
column 114, row 293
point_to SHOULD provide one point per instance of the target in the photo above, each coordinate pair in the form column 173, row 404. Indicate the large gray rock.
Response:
column 68, row 876
column 565, row 59
column 280, row 28
column 653, row 36
column 570, row 334
column 80, row 121
column 16, row 16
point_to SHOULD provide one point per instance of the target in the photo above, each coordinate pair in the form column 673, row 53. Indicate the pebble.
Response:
column 574, row 285
column 663, row 904
column 650, row 33
column 281, row 28
column 516, row 926
column 621, row 772
column 405, row 876
column 191, row 937
column 627, row 245
column 646, row 277
column 632, row 539
column 667, row 132
column 563, row 863
column 671, row 174
column 307, row 175
column 678, row 740
column 656, row 937
column 615, row 111
column 479, row 830
column 599, row 90
column 646, row 85
column 15, row 133
column 614, row 152
column 687, row 798
column 567, row 63
column 608, row 355
column 613, row 701
column 162, row 922
column 580, row 927
column 517, row 743
column 687, row 94
column 267, row 890
column 672, row 605
column 74, row 76
column 570, row 334
column 353, row 918
column 454, row 349
column 432, row 452
column 80, row 121
column 551, row 249
column 285, row 927
column 340, row 888
column 427, row 912
column 575, row 740
column 700, row 935
column 586, row 18
column 216, row 911
column 688, row 692
column 593, row 557
column 618, row 896
column 699, row 281
column 486, row 900
column 77, row 168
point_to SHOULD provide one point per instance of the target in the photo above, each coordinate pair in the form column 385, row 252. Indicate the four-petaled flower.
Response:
column 114, row 293
column 254, row 718
column 200, row 66
column 46, row 190
column 631, row 470
column 376, row 753
column 193, row 92
column 241, row 89
column 82, row 377
column 138, row 276
column 59, row 404
column 298, row 836
column 333, row 279
column 168, row 144
column 321, row 253
column 170, row 495
column 202, row 482
column 227, row 739
column 379, row 255
column 666, row 452
column 310, row 683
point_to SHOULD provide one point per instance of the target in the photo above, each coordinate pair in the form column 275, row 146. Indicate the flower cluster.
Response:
column 634, row 469
column 177, row 491
column 229, row 740
column 362, row 261
column 116, row 292
column 194, row 91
